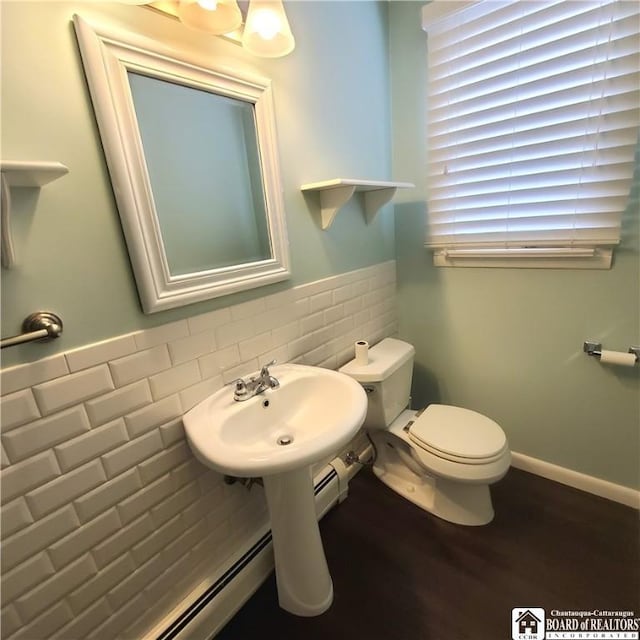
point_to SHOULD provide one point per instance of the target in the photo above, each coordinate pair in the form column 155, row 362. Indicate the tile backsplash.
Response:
column 107, row 518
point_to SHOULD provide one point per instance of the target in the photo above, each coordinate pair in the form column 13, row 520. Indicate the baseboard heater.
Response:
column 175, row 630
column 212, row 605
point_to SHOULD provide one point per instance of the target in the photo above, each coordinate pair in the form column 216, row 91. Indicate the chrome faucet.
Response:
column 246, row 389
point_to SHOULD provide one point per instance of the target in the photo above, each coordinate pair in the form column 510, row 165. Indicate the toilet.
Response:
column 441, row 458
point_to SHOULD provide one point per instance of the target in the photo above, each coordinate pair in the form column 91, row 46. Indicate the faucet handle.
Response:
column 240, row 392
column 267, row 378
column 264, row 371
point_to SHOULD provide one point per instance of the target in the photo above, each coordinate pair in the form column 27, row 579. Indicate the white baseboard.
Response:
column 577, row 480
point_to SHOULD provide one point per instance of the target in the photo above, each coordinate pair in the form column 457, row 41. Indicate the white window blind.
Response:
column 533, row 112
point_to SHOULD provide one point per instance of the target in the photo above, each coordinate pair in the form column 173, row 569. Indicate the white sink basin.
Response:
column 310, row 415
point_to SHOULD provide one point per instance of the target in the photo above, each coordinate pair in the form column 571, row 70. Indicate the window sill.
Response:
column 528, row 258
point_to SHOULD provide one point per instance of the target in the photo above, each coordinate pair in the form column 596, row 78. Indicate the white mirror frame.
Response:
column 108, row 53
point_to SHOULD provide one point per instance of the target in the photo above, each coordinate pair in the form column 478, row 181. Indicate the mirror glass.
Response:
column 192, row 156
column 212, row 153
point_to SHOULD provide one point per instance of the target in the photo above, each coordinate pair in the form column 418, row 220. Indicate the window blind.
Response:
column 533, row 111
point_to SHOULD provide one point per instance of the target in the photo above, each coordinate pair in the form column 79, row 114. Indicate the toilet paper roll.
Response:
column 618, row 357
column 362, row 352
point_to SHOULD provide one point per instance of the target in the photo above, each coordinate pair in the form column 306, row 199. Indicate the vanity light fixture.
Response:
column 265, row 33
column 213, row 16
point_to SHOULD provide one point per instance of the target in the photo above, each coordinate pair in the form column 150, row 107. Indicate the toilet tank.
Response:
column 386, row 378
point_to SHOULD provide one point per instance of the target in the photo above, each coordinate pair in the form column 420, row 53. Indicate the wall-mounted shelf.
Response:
column 21, row 174
column 336, row 193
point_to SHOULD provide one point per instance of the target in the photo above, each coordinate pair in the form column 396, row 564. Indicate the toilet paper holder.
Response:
column 592, row 348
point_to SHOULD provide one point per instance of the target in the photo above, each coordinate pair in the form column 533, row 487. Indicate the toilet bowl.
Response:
column 442, row 458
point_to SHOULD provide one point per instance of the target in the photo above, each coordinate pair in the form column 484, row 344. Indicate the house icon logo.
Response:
column 527, row 623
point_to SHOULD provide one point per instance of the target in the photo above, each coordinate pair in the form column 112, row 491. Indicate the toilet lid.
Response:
column 460, row 433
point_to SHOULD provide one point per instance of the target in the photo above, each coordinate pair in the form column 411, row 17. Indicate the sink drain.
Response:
column 284, row 440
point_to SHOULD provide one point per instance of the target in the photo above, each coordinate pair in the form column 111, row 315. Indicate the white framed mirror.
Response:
column 192, row 155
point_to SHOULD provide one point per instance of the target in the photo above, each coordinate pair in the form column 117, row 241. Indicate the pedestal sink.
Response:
column 278, row 435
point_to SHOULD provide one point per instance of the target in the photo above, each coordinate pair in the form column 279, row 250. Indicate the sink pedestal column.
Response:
column 302, row 575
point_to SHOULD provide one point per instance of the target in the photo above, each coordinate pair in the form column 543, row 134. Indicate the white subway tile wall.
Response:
column 108, row 520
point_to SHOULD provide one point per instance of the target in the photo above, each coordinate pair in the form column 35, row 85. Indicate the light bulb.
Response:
column 209, row 5
column 267, row 24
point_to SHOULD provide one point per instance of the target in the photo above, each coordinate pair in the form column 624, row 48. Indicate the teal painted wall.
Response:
column 508, row 342
column 333, row 120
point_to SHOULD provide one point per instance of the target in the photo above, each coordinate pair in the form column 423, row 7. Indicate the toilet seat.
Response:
column 462, row 470
column 458, row 435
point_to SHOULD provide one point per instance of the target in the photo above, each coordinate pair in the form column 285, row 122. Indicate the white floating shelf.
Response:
column 335, row 193
column 32, row 174
column 17, row 173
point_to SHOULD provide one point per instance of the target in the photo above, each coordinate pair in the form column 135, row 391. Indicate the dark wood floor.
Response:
column 402, row 574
